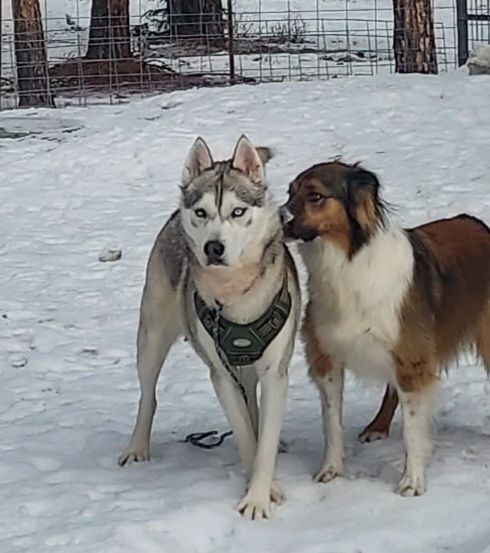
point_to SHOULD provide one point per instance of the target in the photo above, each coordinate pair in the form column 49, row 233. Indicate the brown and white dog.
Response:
column 384, row 301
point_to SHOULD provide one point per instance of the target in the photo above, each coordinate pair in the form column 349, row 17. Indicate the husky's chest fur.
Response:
column 227, row 285
column 355, row 303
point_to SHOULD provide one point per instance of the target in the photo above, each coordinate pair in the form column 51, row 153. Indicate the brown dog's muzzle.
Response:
column 292, row 227
column 287, row 221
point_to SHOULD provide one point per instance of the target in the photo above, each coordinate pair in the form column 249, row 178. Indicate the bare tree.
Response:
column 196, row 19
column 30, row 54
column 413, row 39
column 109, row 37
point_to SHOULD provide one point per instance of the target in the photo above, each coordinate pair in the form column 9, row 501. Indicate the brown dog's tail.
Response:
column 483, row 337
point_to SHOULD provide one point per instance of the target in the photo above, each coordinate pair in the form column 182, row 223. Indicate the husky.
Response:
column 220, row 274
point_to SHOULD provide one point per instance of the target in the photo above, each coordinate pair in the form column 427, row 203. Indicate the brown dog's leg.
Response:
column 328, row 375
column 379, row 427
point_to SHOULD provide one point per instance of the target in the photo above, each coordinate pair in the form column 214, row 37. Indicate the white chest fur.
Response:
column 356, row 303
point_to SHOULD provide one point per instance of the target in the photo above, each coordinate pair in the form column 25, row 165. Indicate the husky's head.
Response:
column 226, row 211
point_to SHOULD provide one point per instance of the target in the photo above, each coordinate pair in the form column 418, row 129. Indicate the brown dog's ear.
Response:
column 363, row 198
column 358, row 177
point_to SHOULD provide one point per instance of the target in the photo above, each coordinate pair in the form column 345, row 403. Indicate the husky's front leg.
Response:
column 158, row 329
column 249, row 380
column 261, row 491
column 237, row 414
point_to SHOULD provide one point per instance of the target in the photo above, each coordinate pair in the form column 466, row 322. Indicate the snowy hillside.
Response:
column 75, row 181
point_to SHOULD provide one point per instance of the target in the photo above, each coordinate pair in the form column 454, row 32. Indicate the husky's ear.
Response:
column 265, row 154
column 248, row 160
column 198, row 160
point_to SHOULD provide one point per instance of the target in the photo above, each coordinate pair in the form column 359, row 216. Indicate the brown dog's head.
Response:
column 337, row 202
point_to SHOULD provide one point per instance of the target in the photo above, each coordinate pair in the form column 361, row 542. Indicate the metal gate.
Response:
column 473, row 26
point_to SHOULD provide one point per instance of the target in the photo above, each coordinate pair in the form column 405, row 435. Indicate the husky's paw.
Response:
column 134, row 455
column 369, row 435
column 257, row 505
column 277, row 496
column 412, row 485
column 329, row 471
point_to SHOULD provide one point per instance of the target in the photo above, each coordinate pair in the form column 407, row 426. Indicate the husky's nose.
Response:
column 214, row 249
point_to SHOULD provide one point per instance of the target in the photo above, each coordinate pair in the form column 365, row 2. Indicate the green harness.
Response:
column 244, row 344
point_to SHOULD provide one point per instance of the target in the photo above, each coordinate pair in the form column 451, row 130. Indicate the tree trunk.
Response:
column 196, row 19
column 119, row 29
column 413, row 38
column 98, row 38
column 109, row 37
column 30, row 54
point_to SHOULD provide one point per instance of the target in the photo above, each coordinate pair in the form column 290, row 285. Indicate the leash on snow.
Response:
column 197, row 438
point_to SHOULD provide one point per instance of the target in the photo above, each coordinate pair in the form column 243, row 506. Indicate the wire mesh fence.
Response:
column 478, row 14
column 108, row 50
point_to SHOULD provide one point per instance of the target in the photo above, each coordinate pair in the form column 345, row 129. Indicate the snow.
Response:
column 76, row 182
column 481, row 58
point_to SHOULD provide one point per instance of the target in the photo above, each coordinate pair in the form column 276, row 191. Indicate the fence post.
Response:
column 231, row 53
column 1, row 50
column 462, row 21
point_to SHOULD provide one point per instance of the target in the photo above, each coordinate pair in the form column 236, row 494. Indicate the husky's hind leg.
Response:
column 160, row 325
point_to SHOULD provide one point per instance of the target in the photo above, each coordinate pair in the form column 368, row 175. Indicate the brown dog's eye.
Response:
column 314, row 197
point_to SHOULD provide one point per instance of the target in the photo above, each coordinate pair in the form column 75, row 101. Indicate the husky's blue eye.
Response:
column 200, row 213
column 238, row 212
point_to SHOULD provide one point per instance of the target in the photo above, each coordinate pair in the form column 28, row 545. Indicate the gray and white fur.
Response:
column 226, row 242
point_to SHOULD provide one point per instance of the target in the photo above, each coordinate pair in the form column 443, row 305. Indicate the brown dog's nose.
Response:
column 285, row 214
column 287, row 221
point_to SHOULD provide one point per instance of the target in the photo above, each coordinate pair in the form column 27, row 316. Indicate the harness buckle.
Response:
column 276, row 321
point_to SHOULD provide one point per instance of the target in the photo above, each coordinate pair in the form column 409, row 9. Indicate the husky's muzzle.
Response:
column 214, row 250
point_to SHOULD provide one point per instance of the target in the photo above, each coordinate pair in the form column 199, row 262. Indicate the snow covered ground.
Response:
column 80, row 180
